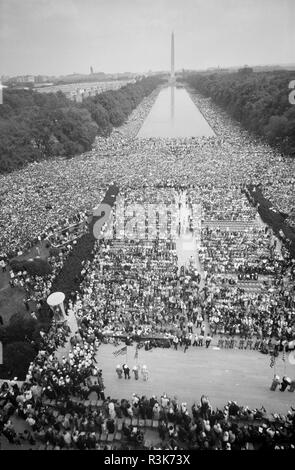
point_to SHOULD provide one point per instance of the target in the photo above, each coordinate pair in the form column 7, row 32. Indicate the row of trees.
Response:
column 36, row 126
column 21, row 341
column 260, row 101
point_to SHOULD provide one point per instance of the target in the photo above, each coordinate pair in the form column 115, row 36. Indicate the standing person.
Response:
column 220, row 342
column 199, row 320
column 186, row 344
column 285, row 382
column 145, row 373
column 3, row 265
column 135, row 371
column 126, row 371
column 203, row 329
column 200, row 341
column 100, row 381
column 190, row 326
column 249, row 343
column 232, row 343
column 275, row 383
column 175, row 342
column 208, row 340
column 195, row 341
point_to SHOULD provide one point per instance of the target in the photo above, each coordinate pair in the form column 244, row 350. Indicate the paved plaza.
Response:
column 243, row 376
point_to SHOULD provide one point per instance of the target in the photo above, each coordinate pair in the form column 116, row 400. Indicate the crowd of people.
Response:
column 80, row 424
column 37, row 287
column 35, row 198
column 67, row 230
column 138, row 288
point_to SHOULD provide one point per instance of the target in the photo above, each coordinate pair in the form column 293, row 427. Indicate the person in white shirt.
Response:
column 3, row 265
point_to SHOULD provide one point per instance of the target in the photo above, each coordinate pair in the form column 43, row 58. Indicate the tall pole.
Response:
column 172, row 56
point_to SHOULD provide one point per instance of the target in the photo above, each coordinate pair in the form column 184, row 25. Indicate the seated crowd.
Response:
column 135, row 287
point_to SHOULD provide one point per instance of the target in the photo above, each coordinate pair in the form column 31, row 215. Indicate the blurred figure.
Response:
column 275, row 383
column 135, row 371
column 145, row 373
column 119, row 371
column 285, row 382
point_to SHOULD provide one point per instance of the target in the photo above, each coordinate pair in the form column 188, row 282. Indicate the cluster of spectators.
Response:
column 135, row 287
column 69, row 423
column 35, row 198
column 38, row 287
column 67, row 230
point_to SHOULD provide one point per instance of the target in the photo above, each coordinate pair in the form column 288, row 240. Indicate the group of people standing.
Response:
column 124, row 370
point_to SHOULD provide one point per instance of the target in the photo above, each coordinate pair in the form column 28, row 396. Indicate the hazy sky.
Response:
column 63, row 36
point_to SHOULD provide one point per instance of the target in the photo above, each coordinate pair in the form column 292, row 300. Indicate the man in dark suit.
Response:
column 126, row 371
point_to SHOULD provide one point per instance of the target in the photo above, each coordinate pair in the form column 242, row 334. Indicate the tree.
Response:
column 35, row 126
column 259, row 101
column 16, row 360
column 276, row 128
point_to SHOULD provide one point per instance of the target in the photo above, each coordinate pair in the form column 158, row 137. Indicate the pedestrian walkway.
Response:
column 63, row 351
column 188, row 243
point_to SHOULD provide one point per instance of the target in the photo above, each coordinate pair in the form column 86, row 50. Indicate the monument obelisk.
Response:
column 172, row 75
column 172, row 78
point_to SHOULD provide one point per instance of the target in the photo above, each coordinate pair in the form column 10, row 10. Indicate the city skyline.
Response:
column 59, row 38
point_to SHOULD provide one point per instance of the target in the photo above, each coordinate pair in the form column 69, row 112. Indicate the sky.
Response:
column 58, row 37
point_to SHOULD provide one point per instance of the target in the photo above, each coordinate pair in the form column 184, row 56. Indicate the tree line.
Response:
column 36, row 126
column 258, row 100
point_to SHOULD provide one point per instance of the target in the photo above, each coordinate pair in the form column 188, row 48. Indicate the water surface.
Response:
column 175, row 115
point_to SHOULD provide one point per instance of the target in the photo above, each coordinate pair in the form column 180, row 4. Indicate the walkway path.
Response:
column 188, row 242
column 73, row 325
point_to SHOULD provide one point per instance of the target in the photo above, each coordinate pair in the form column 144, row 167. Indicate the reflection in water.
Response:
column 175, row 115
column 172, row 103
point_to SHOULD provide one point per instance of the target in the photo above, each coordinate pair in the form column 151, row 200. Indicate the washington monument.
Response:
column 172, row 55
column 172, row 75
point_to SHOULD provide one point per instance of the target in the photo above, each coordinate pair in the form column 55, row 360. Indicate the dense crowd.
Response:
column 38, row 287
column 140, row 287
column 79, row 424
column 44, row 193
